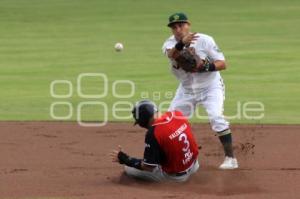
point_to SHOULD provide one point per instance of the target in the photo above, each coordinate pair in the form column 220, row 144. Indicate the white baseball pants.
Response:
column 158, row 175
column 210, row 98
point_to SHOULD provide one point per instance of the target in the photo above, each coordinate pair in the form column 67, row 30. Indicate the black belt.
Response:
column 184, row 172
column 181, row 173
column 178, row 174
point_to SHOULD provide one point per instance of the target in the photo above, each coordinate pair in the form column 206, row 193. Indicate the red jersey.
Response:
column 170, row 143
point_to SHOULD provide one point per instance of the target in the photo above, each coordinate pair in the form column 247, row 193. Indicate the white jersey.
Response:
column 205, row 47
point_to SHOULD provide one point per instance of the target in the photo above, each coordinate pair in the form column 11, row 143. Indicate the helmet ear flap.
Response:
column 143, row 112
column 134, row 113
column 134, row 116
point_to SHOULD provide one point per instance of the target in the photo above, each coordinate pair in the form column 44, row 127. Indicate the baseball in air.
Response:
column 119, row 47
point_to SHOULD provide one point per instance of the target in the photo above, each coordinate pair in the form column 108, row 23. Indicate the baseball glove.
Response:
column 189, row 61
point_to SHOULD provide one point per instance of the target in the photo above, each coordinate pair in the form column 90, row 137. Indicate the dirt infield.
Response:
column 63, row 160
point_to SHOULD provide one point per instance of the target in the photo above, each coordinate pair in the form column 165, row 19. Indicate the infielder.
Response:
column 170, row 149
column 196, row 60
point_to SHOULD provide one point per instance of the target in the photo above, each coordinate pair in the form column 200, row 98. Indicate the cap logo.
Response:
column 176, row 17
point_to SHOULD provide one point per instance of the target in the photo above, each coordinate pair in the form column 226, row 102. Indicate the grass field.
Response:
column 46, row 40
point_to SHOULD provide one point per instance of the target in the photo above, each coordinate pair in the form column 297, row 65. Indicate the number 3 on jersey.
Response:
column 186, row 149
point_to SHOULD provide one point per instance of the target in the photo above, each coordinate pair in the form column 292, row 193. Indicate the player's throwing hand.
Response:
column 190, row 38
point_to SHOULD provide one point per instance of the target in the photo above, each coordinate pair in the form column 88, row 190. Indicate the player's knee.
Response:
column 130, row 171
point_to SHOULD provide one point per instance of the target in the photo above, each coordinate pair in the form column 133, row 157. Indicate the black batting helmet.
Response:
column 143, row 111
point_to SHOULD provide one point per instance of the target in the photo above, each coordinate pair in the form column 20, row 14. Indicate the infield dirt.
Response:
column 64, row 160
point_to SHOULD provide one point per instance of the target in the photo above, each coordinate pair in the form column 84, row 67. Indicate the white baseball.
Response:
column 119, row 47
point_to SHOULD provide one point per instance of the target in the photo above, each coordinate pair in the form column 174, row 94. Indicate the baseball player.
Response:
column 170, row 149
column 196, row 60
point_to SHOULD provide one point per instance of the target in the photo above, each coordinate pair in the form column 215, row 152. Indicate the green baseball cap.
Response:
column 178, row 17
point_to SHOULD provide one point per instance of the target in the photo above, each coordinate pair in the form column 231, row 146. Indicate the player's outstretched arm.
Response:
column 120, row 157
column 185, row 41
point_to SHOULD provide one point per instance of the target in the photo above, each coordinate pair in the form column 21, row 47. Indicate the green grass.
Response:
column 42, row 41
